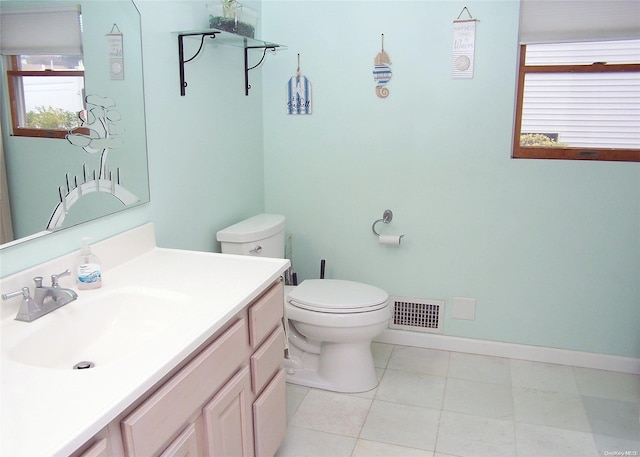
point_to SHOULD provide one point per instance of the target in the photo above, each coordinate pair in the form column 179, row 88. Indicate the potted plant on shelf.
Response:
column 232, row 16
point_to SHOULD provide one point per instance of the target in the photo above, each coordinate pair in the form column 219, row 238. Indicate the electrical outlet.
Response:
column 463, row 308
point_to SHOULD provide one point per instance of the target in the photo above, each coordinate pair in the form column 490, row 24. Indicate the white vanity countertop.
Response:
column 50, row 411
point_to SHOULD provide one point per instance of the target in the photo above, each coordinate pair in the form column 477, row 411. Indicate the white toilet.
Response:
column 331, row 322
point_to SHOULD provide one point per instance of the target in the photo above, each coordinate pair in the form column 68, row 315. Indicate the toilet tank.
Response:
column 261, row 235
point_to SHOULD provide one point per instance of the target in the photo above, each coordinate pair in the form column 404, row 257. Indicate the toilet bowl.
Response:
column 331, row 322
column 331, row 325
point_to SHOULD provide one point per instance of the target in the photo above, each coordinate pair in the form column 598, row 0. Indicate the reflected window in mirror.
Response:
column 43, row 174
column 42, row 48
column 46, row 92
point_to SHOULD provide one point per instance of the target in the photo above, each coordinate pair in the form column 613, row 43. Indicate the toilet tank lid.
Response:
column 252, row 229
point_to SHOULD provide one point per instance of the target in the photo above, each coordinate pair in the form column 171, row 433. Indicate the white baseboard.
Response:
column 511, row 350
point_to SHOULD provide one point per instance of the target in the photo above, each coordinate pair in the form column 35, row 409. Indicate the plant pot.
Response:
column 234, row 17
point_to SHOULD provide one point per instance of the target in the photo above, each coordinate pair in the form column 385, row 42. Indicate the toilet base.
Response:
column 340, row 367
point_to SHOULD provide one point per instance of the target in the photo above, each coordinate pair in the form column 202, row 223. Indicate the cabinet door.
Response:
column 270, row 417
column 164, row 414
column 185, row 445
column 227, row 419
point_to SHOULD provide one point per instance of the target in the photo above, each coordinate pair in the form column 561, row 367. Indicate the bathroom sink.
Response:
column 100, row 327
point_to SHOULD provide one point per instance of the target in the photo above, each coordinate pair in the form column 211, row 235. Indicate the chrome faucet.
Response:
column 44, row 300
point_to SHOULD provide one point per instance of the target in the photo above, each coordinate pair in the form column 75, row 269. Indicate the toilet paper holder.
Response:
column 387, row 216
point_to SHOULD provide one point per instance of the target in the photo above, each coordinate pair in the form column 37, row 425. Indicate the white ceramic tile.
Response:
column 538, row 440
column 414, row 389
column 402, row 425
column 419, row 360
column 479, row 398
column 543, row 376
column 615, row 446
column 608, row 384
column 479, row 368
column 473, row 436
column 295, row 395
column 554, row 409
column 332, row 412
column 311, row 443
column 381, row 353
column 486, row 406
column 366, row 448
column 613, row 417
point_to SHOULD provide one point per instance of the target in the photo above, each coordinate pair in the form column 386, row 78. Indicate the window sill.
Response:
column 48, row 133
column 616, row 155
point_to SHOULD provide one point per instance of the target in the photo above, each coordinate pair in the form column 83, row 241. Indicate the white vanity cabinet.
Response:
column 229, row 400
column 187, row 348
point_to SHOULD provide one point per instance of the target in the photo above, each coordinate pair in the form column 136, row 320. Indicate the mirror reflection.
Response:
column 55, row 178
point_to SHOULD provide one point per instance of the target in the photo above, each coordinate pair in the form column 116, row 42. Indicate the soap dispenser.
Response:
column 88, row 271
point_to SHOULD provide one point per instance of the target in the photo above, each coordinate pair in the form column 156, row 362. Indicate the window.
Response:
column 46, row 93
column 42, row 49
column 587, row 94
column 578, row 80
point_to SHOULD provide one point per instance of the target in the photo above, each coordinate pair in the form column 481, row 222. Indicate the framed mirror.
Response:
column 100, row 167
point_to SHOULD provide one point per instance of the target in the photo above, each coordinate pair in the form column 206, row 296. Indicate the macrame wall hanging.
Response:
column 464, row 41
column 382, row 72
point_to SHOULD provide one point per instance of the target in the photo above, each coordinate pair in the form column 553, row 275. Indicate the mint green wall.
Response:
column 550, row 249
column 205, row 149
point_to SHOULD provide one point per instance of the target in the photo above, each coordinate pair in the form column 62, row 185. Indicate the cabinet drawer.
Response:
column 158, row 420
column 270, row 417
column 265, row 314
column 267, row 359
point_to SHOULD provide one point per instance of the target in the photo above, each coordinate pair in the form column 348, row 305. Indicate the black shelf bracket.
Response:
column 247, row 86
column 227, row 39
column 203, row 35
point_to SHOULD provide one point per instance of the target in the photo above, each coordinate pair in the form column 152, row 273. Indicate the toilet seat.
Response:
column 336, row 296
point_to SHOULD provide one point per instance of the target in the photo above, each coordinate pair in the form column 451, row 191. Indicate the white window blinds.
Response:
column 54, row 30
column 557, row 21
column 583, row 109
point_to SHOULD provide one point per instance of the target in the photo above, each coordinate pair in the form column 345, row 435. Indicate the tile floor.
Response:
column 440, row 404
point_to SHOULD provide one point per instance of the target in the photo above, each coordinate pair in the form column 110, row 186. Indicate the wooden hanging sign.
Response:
column 299, row 93
column 382, row 72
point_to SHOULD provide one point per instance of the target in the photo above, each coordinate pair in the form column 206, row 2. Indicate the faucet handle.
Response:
column 28, row 308
column 38, row 281
column 54, row 278
column 24, row 292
